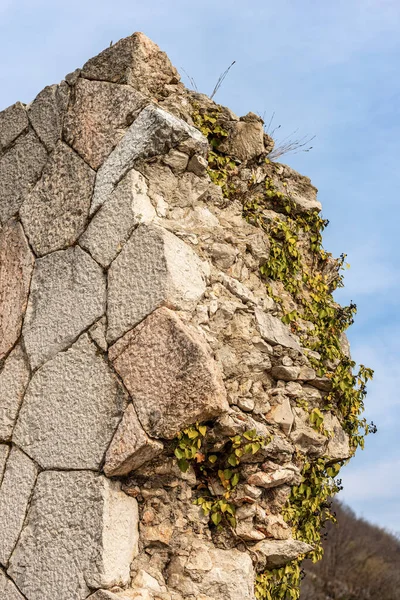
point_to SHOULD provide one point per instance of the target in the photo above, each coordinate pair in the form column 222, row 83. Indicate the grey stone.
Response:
column 46, row 113
column 98, row 333
column 177, row 161
column 184, row 383
column 274, row 331
column 283, row 373
column 245, row 139
column 282, row 415
column 127, row 206
column 16, row 266
column 56, row 211
column 8, row 591
column 305, row 438
column 321, row 383
column 154, row 268
column 153, row 132
column 71, row 409
column 20, row 168
column 4, row 450
column 131, row 447
column 277, row 553
column 134, row 60
column 98, row 116
column 298, row 188
column 68, row 293
column 14, row 378
column 16, row 488
column 13, row 121
column 81, row 533
column 198, row 165
column 338, row 445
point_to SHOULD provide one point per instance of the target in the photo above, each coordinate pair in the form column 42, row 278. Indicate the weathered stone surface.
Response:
column 14, row 378
column 97, row 333
column 285, row 373
column 131, row 447
column 219, row 574
column 134, row 60
column 183, row 385
column 56, row 211
column 153, row 132
column 4, row 450
column 20, row 168
column 8, row 591
column 46, row 113
column 67, row 294
column 80, row 533
column 16, row 488
column 338, row 445
column 127, row 206
column 274, row 331
column 71, row 410
column 306, row 439
column 276, row 553
column 245, row 138
column 98, row 117
column 13, row 121
column 282, row 415
column 298, row 188
column 154, row 268
column 16, row 266
column 273, row 479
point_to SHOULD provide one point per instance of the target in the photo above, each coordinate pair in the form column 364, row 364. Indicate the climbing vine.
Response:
column 310, row 275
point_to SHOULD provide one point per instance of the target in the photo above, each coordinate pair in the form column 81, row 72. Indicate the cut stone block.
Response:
column 154, row 268
column 55, row 213
column 154, row 132
column 4, row 450
column 170, row 373
column 16, row 266
column 13, row 121
column 71, row 410
column 81, row 534
column 8, row 591
column 276, row 553
column 14, row 378
column 46, row 113
column 68, row 293
column 20, row 168
column 127, row 206
column 98, row 117
column 134, row 60
column 131, row 447
column 274, row 331
column 16, row 488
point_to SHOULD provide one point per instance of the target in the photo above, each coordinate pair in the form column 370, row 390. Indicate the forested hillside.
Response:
column 361, row 562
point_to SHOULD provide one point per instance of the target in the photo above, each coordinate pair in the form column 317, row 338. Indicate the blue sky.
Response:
column 329, row 69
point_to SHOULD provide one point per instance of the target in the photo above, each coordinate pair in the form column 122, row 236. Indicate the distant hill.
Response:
column 361, row 562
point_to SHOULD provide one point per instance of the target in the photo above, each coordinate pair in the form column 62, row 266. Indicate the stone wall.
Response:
column 132, row 307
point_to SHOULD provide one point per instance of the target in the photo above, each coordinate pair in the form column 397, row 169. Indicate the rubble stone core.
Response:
column 132, row 307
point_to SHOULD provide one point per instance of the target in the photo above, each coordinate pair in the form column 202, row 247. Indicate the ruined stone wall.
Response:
column 132, row 308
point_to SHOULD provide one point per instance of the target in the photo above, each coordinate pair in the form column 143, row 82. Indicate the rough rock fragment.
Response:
column 14, row 378
column 16, row 488
column 306, row 439
column 273, row 479
column 20, row 168
column 245, row 138
column 67, row 294
column 46, row 113
column 297, row 187
column 8, row 591
column 98, row 117
column 16, row 265
column 183, row 384
column 285, row 373
column 4, row 450
column 153, row 132
column 134, row 60
column 71, row 410
column 131, row 447
column 274, row 331
column 55, row 212
column 127, row 206
column 81, row 533
column 13, row 121
column 219, row 574
column 338, row 445
column 282, row 415
column 154, row 268
column 276, row 553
